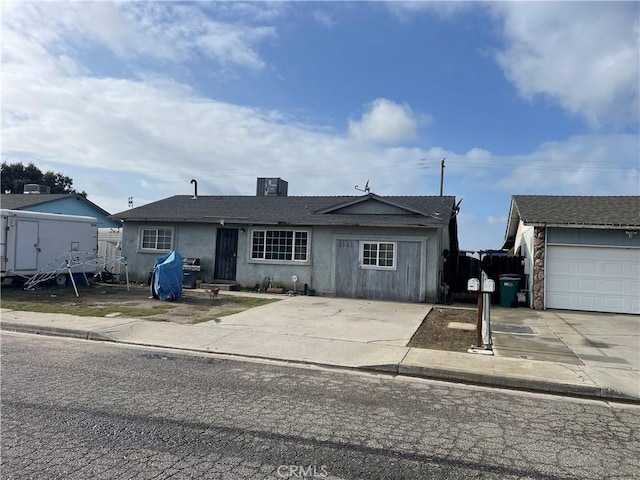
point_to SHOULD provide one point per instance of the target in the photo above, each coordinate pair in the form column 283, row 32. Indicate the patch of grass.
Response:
column 250, row 302
column 226, row 313
column 51, row 294
column 200, row 308
column 243, row 303
column 240, row 304
column 102, row 300
column 204, row 320
column 54, row 306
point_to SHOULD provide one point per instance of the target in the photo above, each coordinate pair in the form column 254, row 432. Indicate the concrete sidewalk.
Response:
column 342, row 333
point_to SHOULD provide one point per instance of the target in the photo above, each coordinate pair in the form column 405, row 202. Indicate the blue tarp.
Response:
column 166, row 281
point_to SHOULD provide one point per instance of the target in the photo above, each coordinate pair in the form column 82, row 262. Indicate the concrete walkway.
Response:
column 372, row 335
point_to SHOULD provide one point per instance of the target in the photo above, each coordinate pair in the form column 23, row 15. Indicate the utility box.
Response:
column 32, row 241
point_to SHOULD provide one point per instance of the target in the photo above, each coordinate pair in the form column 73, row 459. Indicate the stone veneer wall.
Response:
column 539, row 234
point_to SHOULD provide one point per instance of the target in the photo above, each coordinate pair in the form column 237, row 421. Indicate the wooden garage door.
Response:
column 401, row 284
column 595, row 279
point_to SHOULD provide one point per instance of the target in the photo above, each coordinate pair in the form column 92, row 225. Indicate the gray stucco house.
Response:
column 369, row 246
column 580, row 252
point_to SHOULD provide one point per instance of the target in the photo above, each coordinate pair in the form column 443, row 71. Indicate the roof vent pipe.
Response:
column 195, row 188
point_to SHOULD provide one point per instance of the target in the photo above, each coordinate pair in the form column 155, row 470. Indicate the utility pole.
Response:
column 441, row 176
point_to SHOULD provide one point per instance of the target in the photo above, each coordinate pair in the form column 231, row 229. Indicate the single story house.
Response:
column 369, row 246
column 64, row 203
column 581, row 252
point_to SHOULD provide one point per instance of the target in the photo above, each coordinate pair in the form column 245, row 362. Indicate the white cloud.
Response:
column 583, row 55
column 386, row 122
column 404, row 11
column 159, row 129
column 580, row 165
column 164, row 31
column 473, row 232
column 324, row 19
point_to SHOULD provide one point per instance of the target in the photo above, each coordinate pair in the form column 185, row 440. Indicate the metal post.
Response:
column 73, row 281
column 126, row 272
column 441, row 176
column 479, row 322
column 486, row 315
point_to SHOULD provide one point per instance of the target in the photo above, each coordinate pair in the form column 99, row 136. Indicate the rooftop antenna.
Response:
column 366, row 188
column 130, row 202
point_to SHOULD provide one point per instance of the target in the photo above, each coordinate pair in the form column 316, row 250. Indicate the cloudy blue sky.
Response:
column 136, row 99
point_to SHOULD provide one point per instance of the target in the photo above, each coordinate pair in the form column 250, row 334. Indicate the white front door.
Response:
column 596, row 279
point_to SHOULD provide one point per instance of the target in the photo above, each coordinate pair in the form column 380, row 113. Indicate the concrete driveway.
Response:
column 608, row 345
column 364, row 321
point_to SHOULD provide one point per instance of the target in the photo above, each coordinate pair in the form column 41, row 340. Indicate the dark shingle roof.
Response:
column 564, row 210
column 434, row 211
column 19, row 201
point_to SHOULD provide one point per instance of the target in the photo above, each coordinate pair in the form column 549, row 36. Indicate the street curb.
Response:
column 516, row 383
column 50, row 331
column 453, row 376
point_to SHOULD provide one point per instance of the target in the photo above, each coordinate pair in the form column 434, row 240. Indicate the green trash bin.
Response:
column 508, row 290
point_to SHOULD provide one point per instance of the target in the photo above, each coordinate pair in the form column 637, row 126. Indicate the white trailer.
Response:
column 33, row 243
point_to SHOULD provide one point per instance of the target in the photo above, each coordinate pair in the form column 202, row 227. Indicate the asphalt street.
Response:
column 75, row 409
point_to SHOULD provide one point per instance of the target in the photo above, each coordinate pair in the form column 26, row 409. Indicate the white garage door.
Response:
column 595, row 279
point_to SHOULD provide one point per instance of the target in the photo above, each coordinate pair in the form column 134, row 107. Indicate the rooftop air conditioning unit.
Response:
column 272, row 187
column 31, row 188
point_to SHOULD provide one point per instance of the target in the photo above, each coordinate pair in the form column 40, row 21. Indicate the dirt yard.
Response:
column 195, row 306
column 434, row 332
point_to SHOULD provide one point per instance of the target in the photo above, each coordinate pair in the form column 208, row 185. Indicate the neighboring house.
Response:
column 581, row 253
column 369, row 246
column 65, row 203
column 109, row 231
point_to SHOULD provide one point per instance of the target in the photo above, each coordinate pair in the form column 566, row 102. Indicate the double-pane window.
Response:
column 283, row 245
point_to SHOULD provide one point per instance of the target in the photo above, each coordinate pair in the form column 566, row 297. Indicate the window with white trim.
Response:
column 380, row 255
column 280, row 245
column 156, row 239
